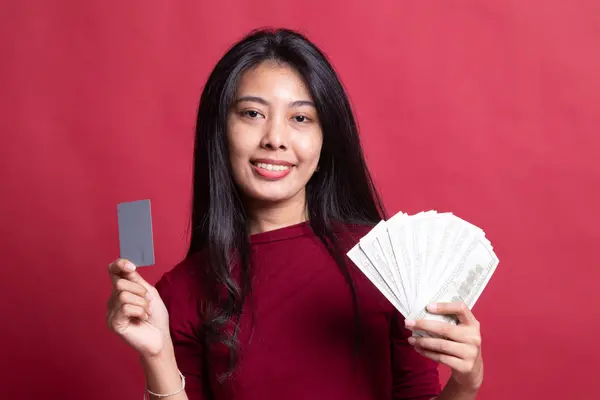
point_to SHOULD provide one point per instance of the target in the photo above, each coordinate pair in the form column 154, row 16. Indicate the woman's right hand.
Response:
column 136, row 312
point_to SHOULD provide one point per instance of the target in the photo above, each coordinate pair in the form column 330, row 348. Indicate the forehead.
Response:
column 274, row 80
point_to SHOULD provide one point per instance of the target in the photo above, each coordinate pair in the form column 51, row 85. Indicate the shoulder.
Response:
column 355, row 231
column 350, row 234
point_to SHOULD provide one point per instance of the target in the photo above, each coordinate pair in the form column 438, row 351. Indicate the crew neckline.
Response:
column 287, row 232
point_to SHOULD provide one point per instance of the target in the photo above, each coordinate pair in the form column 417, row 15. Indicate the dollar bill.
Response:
column 429, row 257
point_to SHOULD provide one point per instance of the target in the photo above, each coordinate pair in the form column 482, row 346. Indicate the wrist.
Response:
column 166, row 356
column 468, row 383
column 459, row 386
column 162, row 373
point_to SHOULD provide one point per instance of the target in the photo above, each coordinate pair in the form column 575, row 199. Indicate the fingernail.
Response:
column 129, row 266
column 412, row 340
column 409, row 323
column 432, row 307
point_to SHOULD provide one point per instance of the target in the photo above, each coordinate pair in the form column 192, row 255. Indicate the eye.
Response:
column 301, row 118
column 252, row 114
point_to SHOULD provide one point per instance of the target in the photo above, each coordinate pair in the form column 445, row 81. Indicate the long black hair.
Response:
column 341, row 191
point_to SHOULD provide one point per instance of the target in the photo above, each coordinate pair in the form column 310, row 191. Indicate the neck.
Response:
column 264, row 217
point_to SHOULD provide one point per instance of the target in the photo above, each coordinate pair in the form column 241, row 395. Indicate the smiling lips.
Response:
column 272, row 169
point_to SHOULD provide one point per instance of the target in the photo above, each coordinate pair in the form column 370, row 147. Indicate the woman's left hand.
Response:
column 461, row 347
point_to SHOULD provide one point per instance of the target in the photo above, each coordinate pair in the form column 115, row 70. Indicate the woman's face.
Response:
column 274, row 134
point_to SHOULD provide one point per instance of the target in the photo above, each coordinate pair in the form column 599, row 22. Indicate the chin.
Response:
column 270, row 197
column 255, row 189
column 271, row 193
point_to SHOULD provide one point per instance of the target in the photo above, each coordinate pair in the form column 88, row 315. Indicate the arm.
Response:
column 154, row 321
column 162, row 375
column 454, row 391
column 182, row 352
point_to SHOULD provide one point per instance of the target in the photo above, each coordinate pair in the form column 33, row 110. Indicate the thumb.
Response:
column 134, row 276
column 128, row 270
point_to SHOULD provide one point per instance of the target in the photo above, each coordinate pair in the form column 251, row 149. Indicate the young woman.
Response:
column 266, row 305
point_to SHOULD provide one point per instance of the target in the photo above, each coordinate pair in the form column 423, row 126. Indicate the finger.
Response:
column 125, row 269
column 443, row 329
column 124, row 285
column 137, row 278
column 130, row 298
column 131, row 311
column 459, row 308
column 460, row 350
column 119, row 268
column 455, row 363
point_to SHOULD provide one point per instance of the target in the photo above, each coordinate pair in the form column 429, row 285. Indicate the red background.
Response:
column 488, row 109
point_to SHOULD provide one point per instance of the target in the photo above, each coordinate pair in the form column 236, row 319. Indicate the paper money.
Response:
column 429, row 257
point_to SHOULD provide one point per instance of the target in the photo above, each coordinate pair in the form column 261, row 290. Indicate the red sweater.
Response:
column 300, row 345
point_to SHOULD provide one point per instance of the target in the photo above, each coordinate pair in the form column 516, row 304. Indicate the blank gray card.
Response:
column 135, row 232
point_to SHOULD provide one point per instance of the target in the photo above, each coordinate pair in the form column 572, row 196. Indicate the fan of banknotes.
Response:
column 425, row 258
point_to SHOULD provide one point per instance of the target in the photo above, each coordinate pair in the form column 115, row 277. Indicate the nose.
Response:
column 275, row 136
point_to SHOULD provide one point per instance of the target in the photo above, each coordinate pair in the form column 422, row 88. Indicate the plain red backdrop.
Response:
column 486, row 109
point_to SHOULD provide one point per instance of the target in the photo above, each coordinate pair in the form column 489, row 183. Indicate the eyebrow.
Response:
column 260, row 100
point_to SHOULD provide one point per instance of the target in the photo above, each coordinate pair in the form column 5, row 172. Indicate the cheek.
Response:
column 239, row 145
column 308, row 148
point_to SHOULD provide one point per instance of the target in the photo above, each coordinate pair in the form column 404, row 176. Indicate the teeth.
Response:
column 271, row 167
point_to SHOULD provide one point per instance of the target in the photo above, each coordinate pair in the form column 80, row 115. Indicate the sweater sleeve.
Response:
column 188, row 348
column 415, row 377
